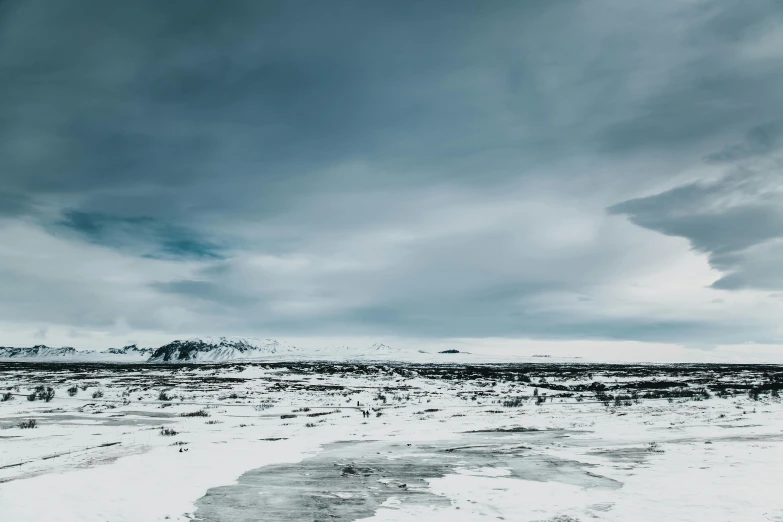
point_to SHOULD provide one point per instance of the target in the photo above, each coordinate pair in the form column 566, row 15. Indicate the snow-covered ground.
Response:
column 383, row 442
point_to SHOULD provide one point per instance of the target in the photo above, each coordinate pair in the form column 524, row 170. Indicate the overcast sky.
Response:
column 606, row 173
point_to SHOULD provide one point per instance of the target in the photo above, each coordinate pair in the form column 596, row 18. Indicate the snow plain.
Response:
column 392, row 442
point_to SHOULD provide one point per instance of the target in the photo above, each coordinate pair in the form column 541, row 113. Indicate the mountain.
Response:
column 131, row 349
column 206, row 350
column 128, row 354
column 376, row 352
column 383, row 348
column 221, row 349
column 226, row 349
column 37, row 351
column 237, row 349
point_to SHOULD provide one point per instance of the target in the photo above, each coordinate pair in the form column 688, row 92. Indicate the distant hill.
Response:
column 242, row 349
column 220, row 350
column 37, row 351
column 131, row 349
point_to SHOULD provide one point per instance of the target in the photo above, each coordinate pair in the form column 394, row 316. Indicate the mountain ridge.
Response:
column 204, row 350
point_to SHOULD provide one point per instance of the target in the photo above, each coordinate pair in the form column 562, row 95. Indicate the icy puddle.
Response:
column 355, row 479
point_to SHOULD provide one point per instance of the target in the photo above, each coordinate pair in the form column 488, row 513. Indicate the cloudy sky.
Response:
column 527, row 174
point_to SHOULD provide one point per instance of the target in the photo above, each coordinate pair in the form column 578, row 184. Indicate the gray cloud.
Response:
column 205, row 290
column 759, row 141
column 438, row 168
column 758, row 267
column 145, row 236
column 715, row 84
column 731, row 214
column 152, row 107
column 737, row 220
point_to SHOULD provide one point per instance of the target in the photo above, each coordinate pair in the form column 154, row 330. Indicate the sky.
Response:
column 537, row 175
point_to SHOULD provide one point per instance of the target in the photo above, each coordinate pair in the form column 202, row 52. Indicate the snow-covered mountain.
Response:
column 38, row 351
column 207, row 350
column 131, row 349
column 226, row 349
column 222, row 349
column 377, row 351
column 238, row 349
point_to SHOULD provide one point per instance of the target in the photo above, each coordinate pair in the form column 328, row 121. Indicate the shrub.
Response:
column 514, row 402
column 47, row 394
column 163, row 397
column 44, row 393
column 6, row 397
column 28, row 424
column 198, row 413
column 287, row 416
column 309, row 425
column 97, row 394
column 73, row 390
column 321, row 413
column 168, row 432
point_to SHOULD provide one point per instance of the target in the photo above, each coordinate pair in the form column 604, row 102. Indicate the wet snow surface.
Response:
column 382, row 442
column 351, row 480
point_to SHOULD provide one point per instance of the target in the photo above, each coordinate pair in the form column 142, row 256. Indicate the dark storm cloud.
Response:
column 758, row 268
column 144, row 236
column 175, row 94
column 736, row 220
column 716, row 89
column 13, row 204
column 157, row 108
column 273, row 143
column 758, row 141
column 706, row 215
